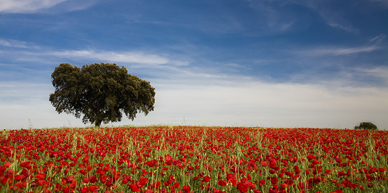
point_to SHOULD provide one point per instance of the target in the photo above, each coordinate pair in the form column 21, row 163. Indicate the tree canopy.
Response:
column 101, row 92
column 366, row 125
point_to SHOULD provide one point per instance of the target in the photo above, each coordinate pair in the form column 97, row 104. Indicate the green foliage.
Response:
column 366, row 125
column 101, row 92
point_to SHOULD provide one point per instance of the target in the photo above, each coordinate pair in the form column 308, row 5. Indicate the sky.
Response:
column 258, row 63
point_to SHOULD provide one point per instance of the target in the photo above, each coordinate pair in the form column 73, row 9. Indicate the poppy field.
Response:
column 193, row 159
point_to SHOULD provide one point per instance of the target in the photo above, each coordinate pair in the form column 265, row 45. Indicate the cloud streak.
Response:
column 335, row 50
column 342, row 51
column 136, row 57
column 27, row 6
column 90, row 56
column 324, row 9
column 17, row 44
column 335, row 20
column 110, row 56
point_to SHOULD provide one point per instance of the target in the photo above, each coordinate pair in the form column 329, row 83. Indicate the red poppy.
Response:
column 134, row 188
column 206, row 179
column 20, row 184
column 222, row 183
column 186, row 189
column 93, row 188
column 242, row 187
column 40, row 176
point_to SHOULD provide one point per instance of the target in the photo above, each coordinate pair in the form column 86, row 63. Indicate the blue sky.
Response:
column 270, row 63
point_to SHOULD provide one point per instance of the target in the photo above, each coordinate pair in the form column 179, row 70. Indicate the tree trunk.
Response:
column 97, row 123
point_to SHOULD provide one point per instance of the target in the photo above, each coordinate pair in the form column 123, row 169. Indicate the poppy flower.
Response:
column 222, row 183
column 40, row 176
column 242, row 187
column 20, row 177
column 206, row 179
column 186, row 189
column 135, row 188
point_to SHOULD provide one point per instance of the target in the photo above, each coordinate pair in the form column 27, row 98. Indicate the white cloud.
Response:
column 341, row 25
column 335, row 51
column 74, row 5
column 17, row 44
column 13, row 43
column 26, row 6
column 119, row 57
column 346, row 51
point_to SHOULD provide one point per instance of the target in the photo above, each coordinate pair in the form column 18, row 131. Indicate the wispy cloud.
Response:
column 119, row 57
column 349, row 76
column 335, row 51
column 26, row 6
column 286, row 26
column 328, row 13
column 110, row 56
column 378, row 39
column 277, row 17
column 44, row 6
column 74, row 5
column 380, row 73
column 273, row 14
column 235, row 65
column 344, row 51
column 377, row 71
column 16, row 44
column 336, row 20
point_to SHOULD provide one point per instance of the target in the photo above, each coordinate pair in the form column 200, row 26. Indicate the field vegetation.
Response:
column 193, row 159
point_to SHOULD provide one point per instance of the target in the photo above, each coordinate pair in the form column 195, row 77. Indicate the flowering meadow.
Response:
column 193, row 159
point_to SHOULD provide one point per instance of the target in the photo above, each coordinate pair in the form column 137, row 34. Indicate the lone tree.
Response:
column 101, row 92
column 366, row 125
